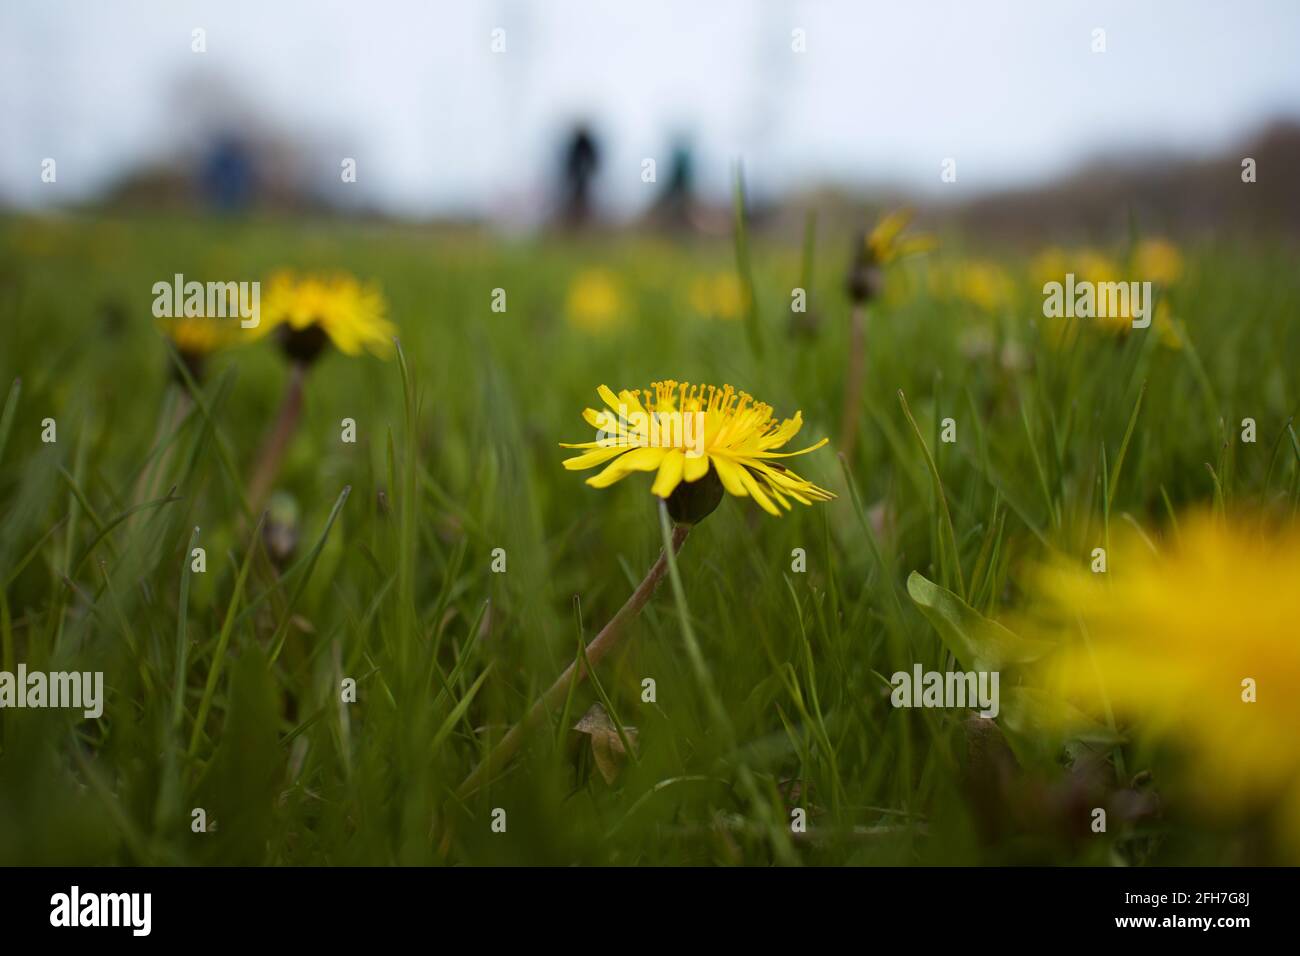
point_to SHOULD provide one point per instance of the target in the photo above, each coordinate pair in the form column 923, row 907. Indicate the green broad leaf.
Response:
column 976, row 642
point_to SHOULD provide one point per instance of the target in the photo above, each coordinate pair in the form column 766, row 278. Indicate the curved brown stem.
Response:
column 277, row 442
column 604, row 642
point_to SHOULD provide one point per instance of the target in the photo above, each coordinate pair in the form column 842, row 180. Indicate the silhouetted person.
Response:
column 672, row 210
column 227, row 174
column 581, row 160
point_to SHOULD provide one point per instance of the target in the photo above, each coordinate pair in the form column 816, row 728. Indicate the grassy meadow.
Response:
column 771, row 665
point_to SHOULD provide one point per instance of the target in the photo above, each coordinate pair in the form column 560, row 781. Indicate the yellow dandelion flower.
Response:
column 1158, row 261
column 199, row 336
column 719, row 296
column 1198, row 645
column 886, row 241
column 595, row 301
column 1095, row 266
column 1154, row 260
column 311, row 310
column 982, row 283
column 679, row 430
column 1050, row 265
column 866, row 279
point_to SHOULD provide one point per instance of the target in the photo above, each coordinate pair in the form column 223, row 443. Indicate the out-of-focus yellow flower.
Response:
column 1158, row 261
column 1154, row 260
column 199, row 336
column 1092, row 265
column 595, row 301
column 866, row 280
column 720, row 296
column 1178, row 643
column 337, row 308
column 886, row 241
column 678, row 430
column 1050, row 265
column 981, row 282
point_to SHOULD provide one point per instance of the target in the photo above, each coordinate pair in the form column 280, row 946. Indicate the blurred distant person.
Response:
column 227, row 176
column 673, row 209
column 581, row 161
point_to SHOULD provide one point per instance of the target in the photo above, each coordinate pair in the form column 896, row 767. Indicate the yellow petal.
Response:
column 757, row 493
column 729, row 473
column 695, row 467
column 593, row 458
column 638, row 459
column 790, row 454
column 670, row 473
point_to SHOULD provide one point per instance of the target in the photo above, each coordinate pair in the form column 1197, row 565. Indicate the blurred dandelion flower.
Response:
column 1158, row 261
column 886, row 241
column 1098, row 268
column 595, row 301
column 1170, row 641
column 878, row 248
column 979, row 282
column 1154, row 260
column 308, row 312
column 678, row 430
column 197, row 337
column 1049, row 265
column 865, row 283
column 719, row 296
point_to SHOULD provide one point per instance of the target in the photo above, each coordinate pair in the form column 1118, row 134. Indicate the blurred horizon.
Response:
column 440, row 126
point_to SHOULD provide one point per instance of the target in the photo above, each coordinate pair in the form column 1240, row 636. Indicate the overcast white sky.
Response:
column 438, row 122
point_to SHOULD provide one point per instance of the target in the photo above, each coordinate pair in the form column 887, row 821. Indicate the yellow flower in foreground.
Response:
column 337, row 308
column 594, row 301
column 1178, row 642
column 679, row 430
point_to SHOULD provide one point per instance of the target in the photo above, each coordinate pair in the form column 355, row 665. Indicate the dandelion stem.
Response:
column 853, row 381
column 273, row 449
column 780, row 845
column 609, row 638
